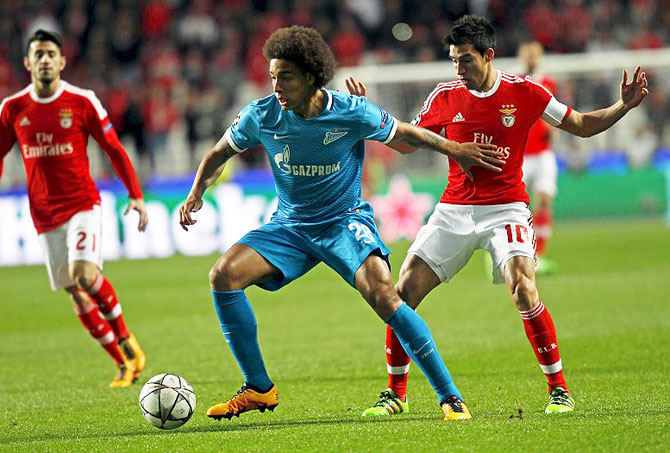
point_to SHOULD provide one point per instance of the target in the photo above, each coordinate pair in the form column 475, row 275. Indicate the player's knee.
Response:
column 225, row 276
column 381, row 296
column 524, row 293
column 84, row 275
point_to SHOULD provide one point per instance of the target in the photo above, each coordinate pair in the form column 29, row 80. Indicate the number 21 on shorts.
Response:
column 82, row 241
column 518, row 233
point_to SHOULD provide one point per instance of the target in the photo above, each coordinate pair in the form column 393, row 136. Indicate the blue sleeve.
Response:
column 376, row 123
column 245, row 131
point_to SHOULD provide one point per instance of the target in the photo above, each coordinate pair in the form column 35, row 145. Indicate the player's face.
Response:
column 531, row 55
column 44, row 61
column 470, row 65
column 293, row 87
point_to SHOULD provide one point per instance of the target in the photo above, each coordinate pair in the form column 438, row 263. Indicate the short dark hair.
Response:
column 44, row 35
column 305, row 47
column 475, row 30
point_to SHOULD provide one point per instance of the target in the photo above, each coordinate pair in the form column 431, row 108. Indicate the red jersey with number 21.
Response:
column 53, row 134
column 501, row 116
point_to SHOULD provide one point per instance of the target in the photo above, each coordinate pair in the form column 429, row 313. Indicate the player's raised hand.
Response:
column 632, row 93
column 192, row 204
column 355, row 87
column 137, row 204
column 472, row 154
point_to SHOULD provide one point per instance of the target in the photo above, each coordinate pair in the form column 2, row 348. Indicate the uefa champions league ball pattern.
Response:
column 167, row 401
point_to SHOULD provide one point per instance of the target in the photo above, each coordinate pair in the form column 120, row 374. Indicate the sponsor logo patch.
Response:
column 332, row 136
column 385, row 118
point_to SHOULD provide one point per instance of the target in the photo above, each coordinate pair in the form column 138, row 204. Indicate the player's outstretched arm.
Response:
column 592, row 123
column 357, row 88
column 467, row 155
column 208, row 172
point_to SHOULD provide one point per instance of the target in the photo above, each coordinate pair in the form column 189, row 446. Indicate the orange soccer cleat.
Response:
column 125, row 377
column 244, row 400
column 455, row 409
column 133, row 355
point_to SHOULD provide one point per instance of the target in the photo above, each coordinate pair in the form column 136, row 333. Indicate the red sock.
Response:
column 100, row 330
column 397, row 364
column 542, row 226
column 104, row 295
column 542, row 336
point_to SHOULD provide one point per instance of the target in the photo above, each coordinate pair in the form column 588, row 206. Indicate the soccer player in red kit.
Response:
column 51, row 120
column 489, row 210
column 540, row 170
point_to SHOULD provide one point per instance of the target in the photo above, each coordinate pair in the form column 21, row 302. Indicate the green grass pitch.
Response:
column 324, row 349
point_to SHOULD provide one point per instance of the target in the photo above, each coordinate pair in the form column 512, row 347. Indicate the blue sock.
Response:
column 238, row 324
column 416, row 339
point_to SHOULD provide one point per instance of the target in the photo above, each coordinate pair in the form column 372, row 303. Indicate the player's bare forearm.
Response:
column 466, row 155
column 409, row 137
column 211, row 167
column 208, row 172
column 402, row 148
column 592, row 123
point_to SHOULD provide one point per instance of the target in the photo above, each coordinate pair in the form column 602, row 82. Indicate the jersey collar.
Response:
column 53, row 97
column 491, row 92
column 329, row 99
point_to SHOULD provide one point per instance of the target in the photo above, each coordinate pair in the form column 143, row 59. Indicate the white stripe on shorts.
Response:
column 397, row 370
column 553, row 368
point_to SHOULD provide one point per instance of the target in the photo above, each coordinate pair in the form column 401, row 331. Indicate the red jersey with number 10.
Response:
column 501, row 116
column 53, row 134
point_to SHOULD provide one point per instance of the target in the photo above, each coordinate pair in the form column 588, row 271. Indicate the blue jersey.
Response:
column 317, row 163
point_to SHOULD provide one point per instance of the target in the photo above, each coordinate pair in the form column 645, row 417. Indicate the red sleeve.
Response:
column 7, row 135
column 431, row 115
column 103, row 132
column 538, row 98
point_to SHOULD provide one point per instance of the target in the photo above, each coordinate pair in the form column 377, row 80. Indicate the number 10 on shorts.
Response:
column 516, row 232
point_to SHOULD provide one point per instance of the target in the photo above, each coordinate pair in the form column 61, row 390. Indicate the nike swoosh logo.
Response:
column 419, row 350
column 279, row 137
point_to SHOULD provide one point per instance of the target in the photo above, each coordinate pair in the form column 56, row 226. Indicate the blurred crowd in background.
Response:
column 180, row 68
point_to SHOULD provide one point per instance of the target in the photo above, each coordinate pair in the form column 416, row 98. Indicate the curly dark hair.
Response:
column 475, row 30
column 305, row 47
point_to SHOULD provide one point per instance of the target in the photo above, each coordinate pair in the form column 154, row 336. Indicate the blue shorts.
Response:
column 295, row 248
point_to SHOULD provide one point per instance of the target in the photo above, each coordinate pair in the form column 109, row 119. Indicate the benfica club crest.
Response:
column 65, row 116
column 508, row 117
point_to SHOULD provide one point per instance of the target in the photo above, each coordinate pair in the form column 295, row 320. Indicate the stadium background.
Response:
column 173, row 74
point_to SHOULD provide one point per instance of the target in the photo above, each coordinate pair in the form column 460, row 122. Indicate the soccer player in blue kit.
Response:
column 314, row 139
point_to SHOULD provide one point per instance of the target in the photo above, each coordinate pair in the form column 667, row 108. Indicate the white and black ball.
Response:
column 167, row 401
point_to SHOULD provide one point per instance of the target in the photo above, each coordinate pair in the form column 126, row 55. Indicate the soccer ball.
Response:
column 167, row 401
